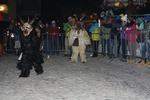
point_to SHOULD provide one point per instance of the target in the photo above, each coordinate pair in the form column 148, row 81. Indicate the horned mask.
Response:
column 26, row 28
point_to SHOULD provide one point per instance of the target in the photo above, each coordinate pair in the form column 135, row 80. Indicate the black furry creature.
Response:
column 30, row 54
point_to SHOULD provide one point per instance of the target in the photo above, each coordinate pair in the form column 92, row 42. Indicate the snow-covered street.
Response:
column 98, row 79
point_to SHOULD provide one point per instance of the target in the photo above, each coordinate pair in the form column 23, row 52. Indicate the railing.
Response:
column 113, row 46
column 53, row 43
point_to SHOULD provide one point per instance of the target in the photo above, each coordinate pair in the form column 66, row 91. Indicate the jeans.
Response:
column 104, row 43
column 146, row 50
column 113, row 47
column 95, row 45
column 123, row 45
column 53, row 45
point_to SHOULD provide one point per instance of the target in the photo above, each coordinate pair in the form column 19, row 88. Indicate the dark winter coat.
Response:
column 146, row 32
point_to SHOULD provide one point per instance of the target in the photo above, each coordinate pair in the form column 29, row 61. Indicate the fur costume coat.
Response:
column 30, row 54
column 82, row 38
column 82, row 35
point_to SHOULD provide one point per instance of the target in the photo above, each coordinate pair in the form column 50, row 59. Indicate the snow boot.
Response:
column 133, row 61
column 142, row 63
column 147, row 64
column 129, row 60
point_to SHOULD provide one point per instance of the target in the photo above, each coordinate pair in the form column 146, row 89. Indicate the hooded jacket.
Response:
column 94, row 29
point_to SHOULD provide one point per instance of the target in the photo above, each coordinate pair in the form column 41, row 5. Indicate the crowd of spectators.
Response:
column 114, row 31
column 129, row 7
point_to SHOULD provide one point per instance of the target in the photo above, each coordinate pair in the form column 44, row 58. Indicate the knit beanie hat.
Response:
column 121, row 15
column 69, row 17
column 139, row 20
column 124, row 18
column 53, row 21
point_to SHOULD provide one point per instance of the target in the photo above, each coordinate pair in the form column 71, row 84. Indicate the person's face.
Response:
column 109, row 21
column 53, row 24
column 70, row 20
column 73, row 21
column 128, row 21
column 123, row 22
column 145, row 21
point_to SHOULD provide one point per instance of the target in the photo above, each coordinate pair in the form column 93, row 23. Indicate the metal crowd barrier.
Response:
column 56, row 44
column 9, row 39
column 116, row 46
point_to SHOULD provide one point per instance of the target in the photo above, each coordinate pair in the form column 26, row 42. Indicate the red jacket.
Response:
column 131, row 33
column 53, row 32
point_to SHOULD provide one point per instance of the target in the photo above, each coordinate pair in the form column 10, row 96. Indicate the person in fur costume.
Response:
column 78, row 39
column 29, row 54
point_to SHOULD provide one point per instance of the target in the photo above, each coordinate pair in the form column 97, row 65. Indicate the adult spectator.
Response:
column 95, row 35
column 131, row 37
column 140, row 36
column 115, row 37
column 123, row 39
column 67, row 28
column 53, row 34
column 106, row 31
column 146, row 46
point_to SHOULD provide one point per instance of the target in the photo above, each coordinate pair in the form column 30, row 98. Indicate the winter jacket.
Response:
column 67, row 28
column 146, row 32
column 115, row 30
column 131, row 33
column 123, row 35
column 94, row 29
column 106, row 30
column 53, row 32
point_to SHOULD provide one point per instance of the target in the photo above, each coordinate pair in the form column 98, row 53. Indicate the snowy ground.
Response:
column 98, row 79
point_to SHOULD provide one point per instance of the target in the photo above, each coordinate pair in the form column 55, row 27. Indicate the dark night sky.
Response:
column 54, row 9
